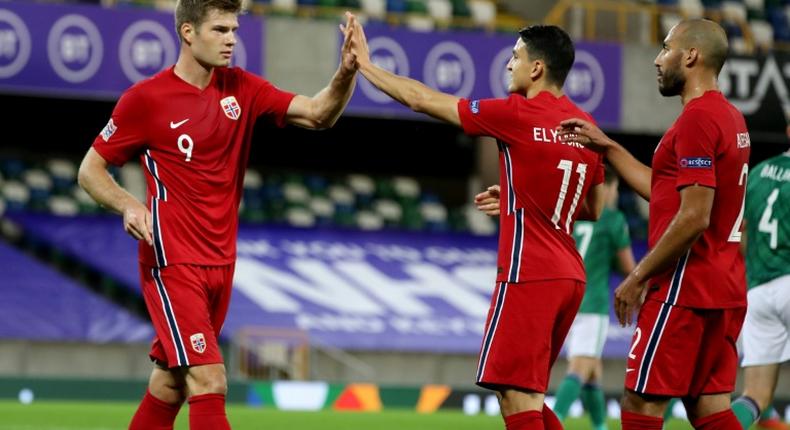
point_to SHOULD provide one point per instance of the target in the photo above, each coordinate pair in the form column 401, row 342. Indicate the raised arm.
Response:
column 409, row 92
column 323, row 109
column 633, row 172
column 691, row 220
column 94, row 178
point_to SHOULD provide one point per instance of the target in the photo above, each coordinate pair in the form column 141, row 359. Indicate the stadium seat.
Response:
column 440, row 10
column 84, row 201
column 16, row 194
column 369, row 221
column 389, row 210
column 376, row 9
column 434, row 215
column 300, row 217
column 296, row 193
column 323, row 208
column 63, row 173
column 363, row 187
column 763, row 34
column 691, row 8
column 483, row 12
column 63, row 206
column 132, row 177
column 406, row 188
column 284, row 6
column 479, row 223
column 40, row 185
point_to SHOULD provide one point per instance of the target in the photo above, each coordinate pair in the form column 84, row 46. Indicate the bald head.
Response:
column 707, row 37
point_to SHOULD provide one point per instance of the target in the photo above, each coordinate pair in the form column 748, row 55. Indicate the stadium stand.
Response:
column 33, row 293
column 289, row 198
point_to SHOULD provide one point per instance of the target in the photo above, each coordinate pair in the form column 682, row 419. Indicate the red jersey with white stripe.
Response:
column 707, row 145
column 193, row 146
column 543, row 183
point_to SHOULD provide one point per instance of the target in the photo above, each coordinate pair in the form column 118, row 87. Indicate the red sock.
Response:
column 634, row 421
column 207, row 412
column 550, row 420
column 724, row 420
column 154, row 414
column 529, row 420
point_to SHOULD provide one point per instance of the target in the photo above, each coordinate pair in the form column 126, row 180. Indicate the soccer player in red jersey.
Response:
column 191, row 126
column 546, row 184
column 684, row 341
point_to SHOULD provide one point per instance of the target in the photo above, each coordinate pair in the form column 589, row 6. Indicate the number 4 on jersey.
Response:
column 767, row 224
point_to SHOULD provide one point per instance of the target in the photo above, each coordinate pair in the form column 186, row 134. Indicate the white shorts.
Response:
column 587, row 335
column 767, row 324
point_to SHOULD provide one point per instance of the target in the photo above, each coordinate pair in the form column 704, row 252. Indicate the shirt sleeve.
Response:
column 598, row 175
column 268, row 100
column 488, row 117
column 621, row 238
column 696, row 145
column 124, row 137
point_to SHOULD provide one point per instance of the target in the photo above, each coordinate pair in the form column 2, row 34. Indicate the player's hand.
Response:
column 348, row 60
column 628, row 298
column 359, row 44
column 137, row 222
column 488, row 201
column 583, row 132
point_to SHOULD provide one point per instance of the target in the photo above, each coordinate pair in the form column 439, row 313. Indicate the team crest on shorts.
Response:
column 198, row 342
column 231, row 107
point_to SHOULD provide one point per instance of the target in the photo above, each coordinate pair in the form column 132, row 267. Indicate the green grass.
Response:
column 115, row 416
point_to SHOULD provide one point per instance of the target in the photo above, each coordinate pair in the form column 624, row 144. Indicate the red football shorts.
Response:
column 187, row 305
column 526, row 326
column 683, row 352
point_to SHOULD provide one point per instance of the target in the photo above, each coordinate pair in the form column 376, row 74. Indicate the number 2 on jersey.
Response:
column 567, row 168
column 735, row 233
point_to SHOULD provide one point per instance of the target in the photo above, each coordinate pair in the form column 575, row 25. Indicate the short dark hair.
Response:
column 552, row 45
column 195, row 11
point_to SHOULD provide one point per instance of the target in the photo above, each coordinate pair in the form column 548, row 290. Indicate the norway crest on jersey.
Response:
column 231, row 107
column 198, row 342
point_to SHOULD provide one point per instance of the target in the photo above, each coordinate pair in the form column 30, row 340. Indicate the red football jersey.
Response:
column 543, row 183
column 707, row 145
column 193, row 146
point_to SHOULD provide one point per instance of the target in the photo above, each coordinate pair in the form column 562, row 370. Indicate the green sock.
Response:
column 595, row 405
column 769, row 412
column 567, row 393
column 670, row 406
column 746, row 410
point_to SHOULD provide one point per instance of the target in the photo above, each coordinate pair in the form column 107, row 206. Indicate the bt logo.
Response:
column 75, row 48
column 15, row 44
column 146, row 48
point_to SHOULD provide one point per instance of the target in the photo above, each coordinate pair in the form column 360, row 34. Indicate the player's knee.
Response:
column 171, row 394
column 207, row 380
column 633, row 402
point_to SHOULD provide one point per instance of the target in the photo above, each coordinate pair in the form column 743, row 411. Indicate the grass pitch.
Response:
column 45, row 415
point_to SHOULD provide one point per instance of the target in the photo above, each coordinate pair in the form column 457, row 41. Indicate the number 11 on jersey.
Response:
column 567, row 168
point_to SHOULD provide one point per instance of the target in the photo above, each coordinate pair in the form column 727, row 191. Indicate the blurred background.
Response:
column 364, row 271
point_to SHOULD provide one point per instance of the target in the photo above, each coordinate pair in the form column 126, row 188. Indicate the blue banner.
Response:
column 88, row 51
column 474, row 65
column 349, row 289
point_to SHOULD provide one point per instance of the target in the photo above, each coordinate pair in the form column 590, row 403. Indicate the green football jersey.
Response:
column 767, row 215
column 598, row 243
